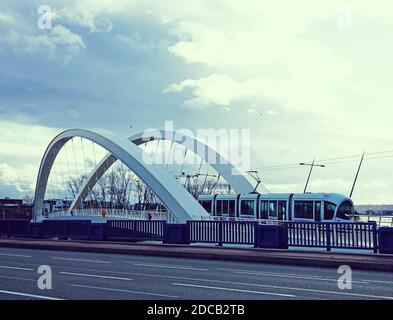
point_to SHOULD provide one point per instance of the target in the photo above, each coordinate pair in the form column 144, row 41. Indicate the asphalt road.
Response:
column 78, row 275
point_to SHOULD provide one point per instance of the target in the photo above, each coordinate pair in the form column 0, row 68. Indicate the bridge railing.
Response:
column 359, row 235
column 381, row 221
column 220, row 232
column 110, row 214
column 333, row 235
column 15, row 228
column 135, row 230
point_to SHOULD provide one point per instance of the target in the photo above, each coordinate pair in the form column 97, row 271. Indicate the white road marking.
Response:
column 235, row 290
column 17, row 278
column 14, row 255
column 379, row 281
column 296, row 289
column 123, row 291
column 95, row 276
column 283, row 275
column 244, row 284
column 80, row 260
column 29, row 295
column 167, row 266
column 16, row 268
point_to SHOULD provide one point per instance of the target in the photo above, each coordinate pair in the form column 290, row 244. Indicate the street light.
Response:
column 312, row 165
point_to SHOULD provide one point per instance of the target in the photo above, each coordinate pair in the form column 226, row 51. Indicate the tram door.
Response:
column 317, row 210
column 282, row 210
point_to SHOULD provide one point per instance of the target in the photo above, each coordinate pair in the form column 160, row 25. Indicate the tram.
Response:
column 308, row 207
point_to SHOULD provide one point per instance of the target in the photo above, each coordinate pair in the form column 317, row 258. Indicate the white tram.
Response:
column 308, row 207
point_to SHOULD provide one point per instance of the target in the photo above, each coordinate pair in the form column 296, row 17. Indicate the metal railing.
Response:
column 135, row 230
column 333, row 235
column 220, row 232
column 110, row 214
column 381, row 221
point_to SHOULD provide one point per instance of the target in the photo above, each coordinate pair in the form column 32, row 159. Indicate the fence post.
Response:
column 328, row 239
column 256, row 235
column 220, row 233
column 375, row 238
column 8, row 229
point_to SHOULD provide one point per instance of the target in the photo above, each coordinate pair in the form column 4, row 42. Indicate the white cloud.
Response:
column 135, row 42
column 6, row 18
column 21, row 149
column 59, row 42
column 217, row 90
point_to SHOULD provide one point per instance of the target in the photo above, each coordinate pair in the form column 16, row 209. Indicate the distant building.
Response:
column 55, row 205
column 15, row 209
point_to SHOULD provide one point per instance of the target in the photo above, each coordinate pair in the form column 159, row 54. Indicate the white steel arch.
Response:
column 238, row 181
column 177, row 200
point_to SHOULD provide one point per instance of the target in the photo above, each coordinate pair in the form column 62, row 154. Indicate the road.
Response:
column 79, row 275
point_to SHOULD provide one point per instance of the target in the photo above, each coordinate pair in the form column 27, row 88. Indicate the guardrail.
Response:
column 15, row 228
column 220, row 232
column 381, row 221
column 134, row 230
column 363, row 236
column 333, row 235
column 65, row 229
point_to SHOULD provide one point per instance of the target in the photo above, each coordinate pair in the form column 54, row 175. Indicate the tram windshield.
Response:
column 346, row 211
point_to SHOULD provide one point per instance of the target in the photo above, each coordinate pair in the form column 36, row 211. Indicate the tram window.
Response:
column 273, row 209
column 304, row 209
column 264, row 210
column 247, row 207
column 317, row 211
column 219, row 208
column 345, row 211
column 207, row 205
column 282, row 209
column 231, row 208
column 330, row 208
column 224, row 206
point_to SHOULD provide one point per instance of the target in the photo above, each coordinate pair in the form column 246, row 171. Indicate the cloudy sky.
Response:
column 308, row 78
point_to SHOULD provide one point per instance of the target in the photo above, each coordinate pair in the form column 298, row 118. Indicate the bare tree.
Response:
column 74, row 184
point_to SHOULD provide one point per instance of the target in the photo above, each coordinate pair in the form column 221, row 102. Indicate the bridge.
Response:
column 180, row 204
column 81, row 220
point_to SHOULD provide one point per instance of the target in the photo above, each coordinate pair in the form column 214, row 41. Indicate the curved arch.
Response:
column 238, row 182
column 177, row 200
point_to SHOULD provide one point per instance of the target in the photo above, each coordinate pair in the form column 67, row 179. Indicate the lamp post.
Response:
column 312, row 165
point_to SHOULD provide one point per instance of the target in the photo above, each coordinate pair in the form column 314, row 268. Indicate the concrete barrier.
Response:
column 385, row 240
column 176, row 234
column 271, row 236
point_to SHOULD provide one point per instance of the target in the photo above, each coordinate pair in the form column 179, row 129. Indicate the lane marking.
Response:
column 17, row 278
column 95, row 276
column 235, row 290
column 289, row 274
column 124, row 291
column 298, row 289
column 29, row 295
column 166, row 266
column 244, row 284
column 225, row 282
column 14, row 255
column 80, row 260
column 283, row 275
column 379, row 281
column 16, row 268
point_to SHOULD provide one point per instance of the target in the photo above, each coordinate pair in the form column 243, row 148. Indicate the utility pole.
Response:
column 312, row 165
column 357, row 174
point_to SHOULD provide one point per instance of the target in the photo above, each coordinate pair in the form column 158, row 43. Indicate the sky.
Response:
column 309, row 79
